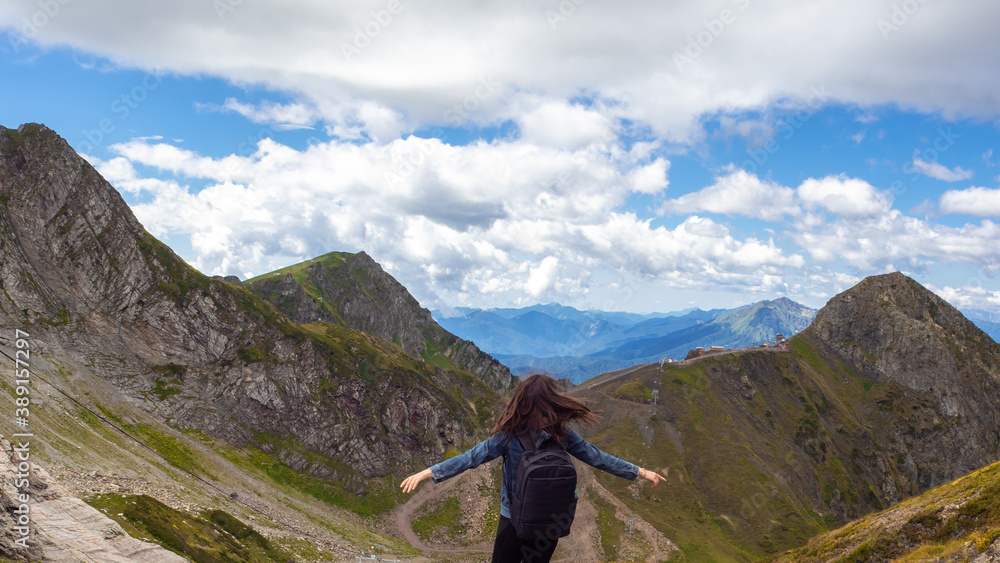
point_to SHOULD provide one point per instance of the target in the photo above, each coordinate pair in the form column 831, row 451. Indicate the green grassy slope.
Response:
column 331, row 260
column 214, row 536
column 959, row 520
column 762, row 450
column 101, row 433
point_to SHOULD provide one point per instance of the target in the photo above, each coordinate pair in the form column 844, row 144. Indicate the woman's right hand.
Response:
column 411, row 482
column 651, row 476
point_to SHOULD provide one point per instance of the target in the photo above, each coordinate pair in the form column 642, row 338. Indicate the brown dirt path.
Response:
column 662, row 547
column 427, row 492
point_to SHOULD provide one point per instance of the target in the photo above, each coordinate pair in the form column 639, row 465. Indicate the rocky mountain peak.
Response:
column 895, row 329
column 353, row 290
column 77, row 249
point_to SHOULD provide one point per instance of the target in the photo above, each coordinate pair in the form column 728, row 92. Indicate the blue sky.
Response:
column 641, row 156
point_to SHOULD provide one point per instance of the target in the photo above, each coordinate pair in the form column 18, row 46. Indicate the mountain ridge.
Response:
column 203, row 353
column 957, row 521
column 765, row 448
column 354, row 291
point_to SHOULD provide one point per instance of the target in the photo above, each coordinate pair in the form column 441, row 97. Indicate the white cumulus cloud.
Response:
column 375, row 72
column 281, row 116
column 843, row 196
column 972, row 201
column 738, row 193
column 941, row 172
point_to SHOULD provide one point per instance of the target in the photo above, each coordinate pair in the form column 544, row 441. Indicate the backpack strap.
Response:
column 528, row 445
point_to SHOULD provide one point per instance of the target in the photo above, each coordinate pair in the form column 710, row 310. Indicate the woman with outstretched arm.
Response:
column 535, row 410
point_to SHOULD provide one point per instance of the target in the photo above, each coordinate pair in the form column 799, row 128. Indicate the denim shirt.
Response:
column 498, row 445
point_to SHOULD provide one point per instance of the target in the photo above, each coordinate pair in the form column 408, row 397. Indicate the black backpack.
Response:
column 544, row 500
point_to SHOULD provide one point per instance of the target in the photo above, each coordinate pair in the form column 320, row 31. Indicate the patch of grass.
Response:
column 330, row 260
column 445, row 518
column 251, row 354
column 806, row 352
column 611, row 529
column 171, row 376
column 110, row 415
column 172, row 371
column 923, row 530
column 168, row 447
column 165, row 389
column 434, row 354
column 62, row 318
column 303, row 550
column 492, row 493
column 380, row 495
column 634, row 391
column 212, row 537
column 692, row 375
column 179, row 278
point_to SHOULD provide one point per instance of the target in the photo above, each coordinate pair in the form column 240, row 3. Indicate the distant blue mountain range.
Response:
column 986, row 321
column 578, row 345
column 567, row 342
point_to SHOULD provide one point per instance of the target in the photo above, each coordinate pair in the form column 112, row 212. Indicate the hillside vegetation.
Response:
column 959, row 521
column 765, row 449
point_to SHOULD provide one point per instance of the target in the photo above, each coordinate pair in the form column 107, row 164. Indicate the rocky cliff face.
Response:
column 354, row 290
column 896, row 333
column 86, row 280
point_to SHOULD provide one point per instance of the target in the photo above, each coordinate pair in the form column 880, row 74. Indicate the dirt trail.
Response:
column 608, row 376
column 662, row 547
column 582, row 545
column 428, row 492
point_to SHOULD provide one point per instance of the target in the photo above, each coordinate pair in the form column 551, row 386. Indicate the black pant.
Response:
column 508, row 548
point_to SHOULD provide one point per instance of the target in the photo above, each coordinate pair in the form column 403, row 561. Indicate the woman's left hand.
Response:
column 411, row 482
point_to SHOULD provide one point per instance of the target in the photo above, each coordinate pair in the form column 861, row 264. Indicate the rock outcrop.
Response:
column 85, row 278
column 354, row 290
column 61, row 526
